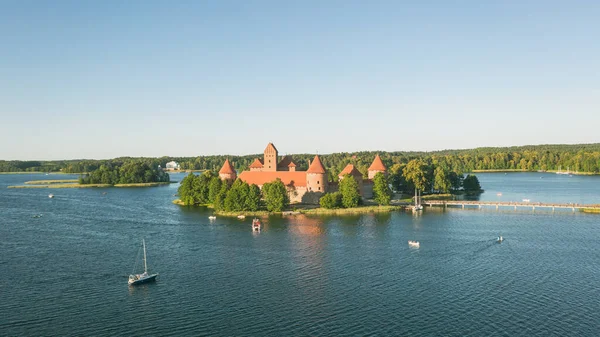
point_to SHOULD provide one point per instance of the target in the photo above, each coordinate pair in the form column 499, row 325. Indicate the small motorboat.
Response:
column 212, row 217
column 417, row 208
column 526, row 200
column 499, row 194
column 256, row 225
column 50, row 195
column 413, row 243
column 499, row 239
column 37, row 216
column 241, row 217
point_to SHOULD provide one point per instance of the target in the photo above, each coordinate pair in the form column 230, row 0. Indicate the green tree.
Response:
column 381, row 190
column 186, row 189
column 220, row 197
column 214, row 188
column 415, row 172
column 442, row 181
column 253, row 198
column 235, row 198
column 202, row 187
column 276, row 196
column 350, row 192
column 471, row 184
column 331, row 200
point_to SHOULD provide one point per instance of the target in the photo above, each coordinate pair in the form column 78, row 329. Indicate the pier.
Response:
column 510, row 204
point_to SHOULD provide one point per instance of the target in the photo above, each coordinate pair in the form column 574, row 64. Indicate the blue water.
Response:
column 66, row 272
column 540, row 187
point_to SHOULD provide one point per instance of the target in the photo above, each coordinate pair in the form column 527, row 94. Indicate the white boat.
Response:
column 500, row 239
column 50, row 195
column 135, row 279
column 256, row 225
column 241, row 217
column 417, row 207
column 413, row 243
column 212, row 217
column 526, row 200
column 563, row 172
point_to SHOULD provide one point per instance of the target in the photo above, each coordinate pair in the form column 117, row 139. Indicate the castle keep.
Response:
column 303, row 186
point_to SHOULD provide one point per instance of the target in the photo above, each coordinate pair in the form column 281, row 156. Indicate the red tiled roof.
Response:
column 271, row 147
column 257, row 163
column 316, row 166
column 350, row 169
column 287, row 161
column 377, row 165
column 227, row 168
column 288, row 178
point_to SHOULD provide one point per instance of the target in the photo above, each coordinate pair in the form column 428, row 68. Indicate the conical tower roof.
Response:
column 377, row 165
column 256, row 164
column 316, row 166
column 350, row 169
column 227, row 168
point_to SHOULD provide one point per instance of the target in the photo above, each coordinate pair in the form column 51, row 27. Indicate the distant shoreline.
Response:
column 539, row 171
column 76, row 185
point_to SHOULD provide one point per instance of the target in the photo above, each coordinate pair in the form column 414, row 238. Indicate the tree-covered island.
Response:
column 126, row 174
column 239, row 197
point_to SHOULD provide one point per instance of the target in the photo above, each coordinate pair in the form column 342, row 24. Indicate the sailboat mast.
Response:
column 145, row 266
column 415, row 196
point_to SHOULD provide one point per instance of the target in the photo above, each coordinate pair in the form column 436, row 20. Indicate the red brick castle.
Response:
column 303, row 186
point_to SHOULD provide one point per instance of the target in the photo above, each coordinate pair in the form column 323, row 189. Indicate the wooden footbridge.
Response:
column 487, row 204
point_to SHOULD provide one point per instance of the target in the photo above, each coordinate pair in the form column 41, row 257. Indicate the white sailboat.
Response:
column 135, row 279
column 417, row 207
column 563, row 172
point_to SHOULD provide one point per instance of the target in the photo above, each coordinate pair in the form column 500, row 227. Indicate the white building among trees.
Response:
column 172, row 166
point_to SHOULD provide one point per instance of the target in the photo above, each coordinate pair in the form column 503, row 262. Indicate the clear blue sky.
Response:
column 101, row 79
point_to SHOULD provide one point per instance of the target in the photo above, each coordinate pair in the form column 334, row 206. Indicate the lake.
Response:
column 65, row 273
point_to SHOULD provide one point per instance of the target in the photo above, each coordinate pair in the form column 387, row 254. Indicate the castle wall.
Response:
column 367, row 190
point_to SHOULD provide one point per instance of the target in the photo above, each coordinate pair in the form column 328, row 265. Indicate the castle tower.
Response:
column 227, row 172
column 270, row 158
column 316, row 177
column 353, row 171
column 377, row 167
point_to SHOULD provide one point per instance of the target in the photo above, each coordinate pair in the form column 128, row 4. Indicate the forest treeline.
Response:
column 581, row 157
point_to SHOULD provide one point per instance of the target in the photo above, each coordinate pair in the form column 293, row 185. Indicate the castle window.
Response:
column 319, row 188
column 317, row 182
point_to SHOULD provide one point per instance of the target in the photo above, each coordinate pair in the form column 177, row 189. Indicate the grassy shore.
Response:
column 354, row 210
column 48, row 182
column 308, row 209
column 245, row 213
column 591, row 210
